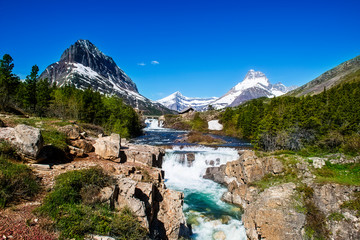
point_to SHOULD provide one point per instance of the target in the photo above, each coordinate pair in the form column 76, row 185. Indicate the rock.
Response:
column 318, row 162
column 76, row 151
column 28, row 141
column 328, row 198
column 83, row 144
column 98, row 237
column 71, row 131
column 171, row 215
column 220, row 235
column 190, row 157
column 250, row 168
column 108, row 147
column 83, row 135
column 217, row 174
column 145, row 154
column 7, row 134
column 272, row 215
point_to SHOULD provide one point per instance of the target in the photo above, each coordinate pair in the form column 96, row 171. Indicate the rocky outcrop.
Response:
column 237, row 174
column 144, row 154
column 342, row 223
column 157, row 208
column 108, row 147
column 273, row 216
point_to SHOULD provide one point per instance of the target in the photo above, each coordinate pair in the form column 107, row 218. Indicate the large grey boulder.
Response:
column 28, row 141
column 108, row 147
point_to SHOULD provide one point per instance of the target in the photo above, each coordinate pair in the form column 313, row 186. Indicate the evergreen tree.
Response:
column 30, row 86
column 42, row 96
column 8, row 81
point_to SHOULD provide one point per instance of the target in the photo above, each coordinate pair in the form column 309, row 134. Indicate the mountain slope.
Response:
column 178, row 102
column 328, row 79
column 254, row 85
column 84, row 65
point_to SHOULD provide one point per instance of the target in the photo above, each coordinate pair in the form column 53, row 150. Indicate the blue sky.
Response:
column 203, row 48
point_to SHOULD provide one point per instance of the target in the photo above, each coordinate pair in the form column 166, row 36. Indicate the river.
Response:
column 184, row 165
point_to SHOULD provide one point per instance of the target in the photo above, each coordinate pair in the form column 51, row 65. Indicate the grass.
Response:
column 74, row 207
column 347, row 174
column 55, row 138
column 17, row 182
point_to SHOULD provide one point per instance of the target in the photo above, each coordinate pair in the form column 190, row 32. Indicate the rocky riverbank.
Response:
column 286, row 196
column 137, row 169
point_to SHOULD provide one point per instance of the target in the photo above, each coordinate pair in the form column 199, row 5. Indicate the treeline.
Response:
column 329, row 121
column 37, row 97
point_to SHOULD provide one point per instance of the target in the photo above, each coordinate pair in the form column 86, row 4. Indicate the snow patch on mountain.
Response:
column 178, row 102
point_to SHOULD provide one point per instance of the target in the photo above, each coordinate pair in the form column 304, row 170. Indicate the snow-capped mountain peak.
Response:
column 178, row 102
column 254, row 85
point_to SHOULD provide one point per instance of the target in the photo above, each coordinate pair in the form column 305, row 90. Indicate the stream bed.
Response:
column 184, row 165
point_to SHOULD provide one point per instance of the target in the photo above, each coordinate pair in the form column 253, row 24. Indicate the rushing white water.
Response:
column 153, row 124
column 210, row 217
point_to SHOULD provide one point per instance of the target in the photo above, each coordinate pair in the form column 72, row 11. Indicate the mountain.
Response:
column 254, row 85
column 329, row 79
column 178, row 102
column 84, row 65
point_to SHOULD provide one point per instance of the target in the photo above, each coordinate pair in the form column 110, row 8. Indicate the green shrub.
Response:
column 17, row 182
column 73, row 206
column 7, row 149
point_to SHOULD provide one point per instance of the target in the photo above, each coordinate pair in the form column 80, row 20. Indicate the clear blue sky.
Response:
column 203, row 47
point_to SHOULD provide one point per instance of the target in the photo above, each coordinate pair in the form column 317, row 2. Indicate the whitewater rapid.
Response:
column 209, row 216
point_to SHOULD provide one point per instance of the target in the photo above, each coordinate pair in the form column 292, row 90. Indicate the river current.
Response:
column 184, row 165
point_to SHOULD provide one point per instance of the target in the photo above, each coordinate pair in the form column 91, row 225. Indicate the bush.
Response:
column 17, row 182
column 74, row 207
column 55, row 138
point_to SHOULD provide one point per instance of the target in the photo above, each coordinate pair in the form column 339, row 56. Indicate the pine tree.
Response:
column 42, row 96
column 8, row 81
column 30, row 85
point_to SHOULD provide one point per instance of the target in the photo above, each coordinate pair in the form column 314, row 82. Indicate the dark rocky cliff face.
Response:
column 84, row 65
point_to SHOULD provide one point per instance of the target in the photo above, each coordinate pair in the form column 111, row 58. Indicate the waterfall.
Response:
column 153, row 124
column 209, row 216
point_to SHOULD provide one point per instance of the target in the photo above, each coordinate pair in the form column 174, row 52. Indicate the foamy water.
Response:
column 203, row 207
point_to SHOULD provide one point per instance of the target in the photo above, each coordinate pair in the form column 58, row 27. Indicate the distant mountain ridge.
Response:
column 178, row 102
column 328, row 79
column 254, row 85
column 84, row 65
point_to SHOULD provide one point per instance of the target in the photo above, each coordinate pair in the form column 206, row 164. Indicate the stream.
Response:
column 184, row 165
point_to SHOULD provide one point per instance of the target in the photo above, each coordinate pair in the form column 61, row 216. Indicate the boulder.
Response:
column 151, row 156
column 7, row 134
column 217, row 174
column 77, row 151
column 108, row 147
column 28, row 141
column 83, row 144
column 318, row 162
column 71, row 131
column 273, row 215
